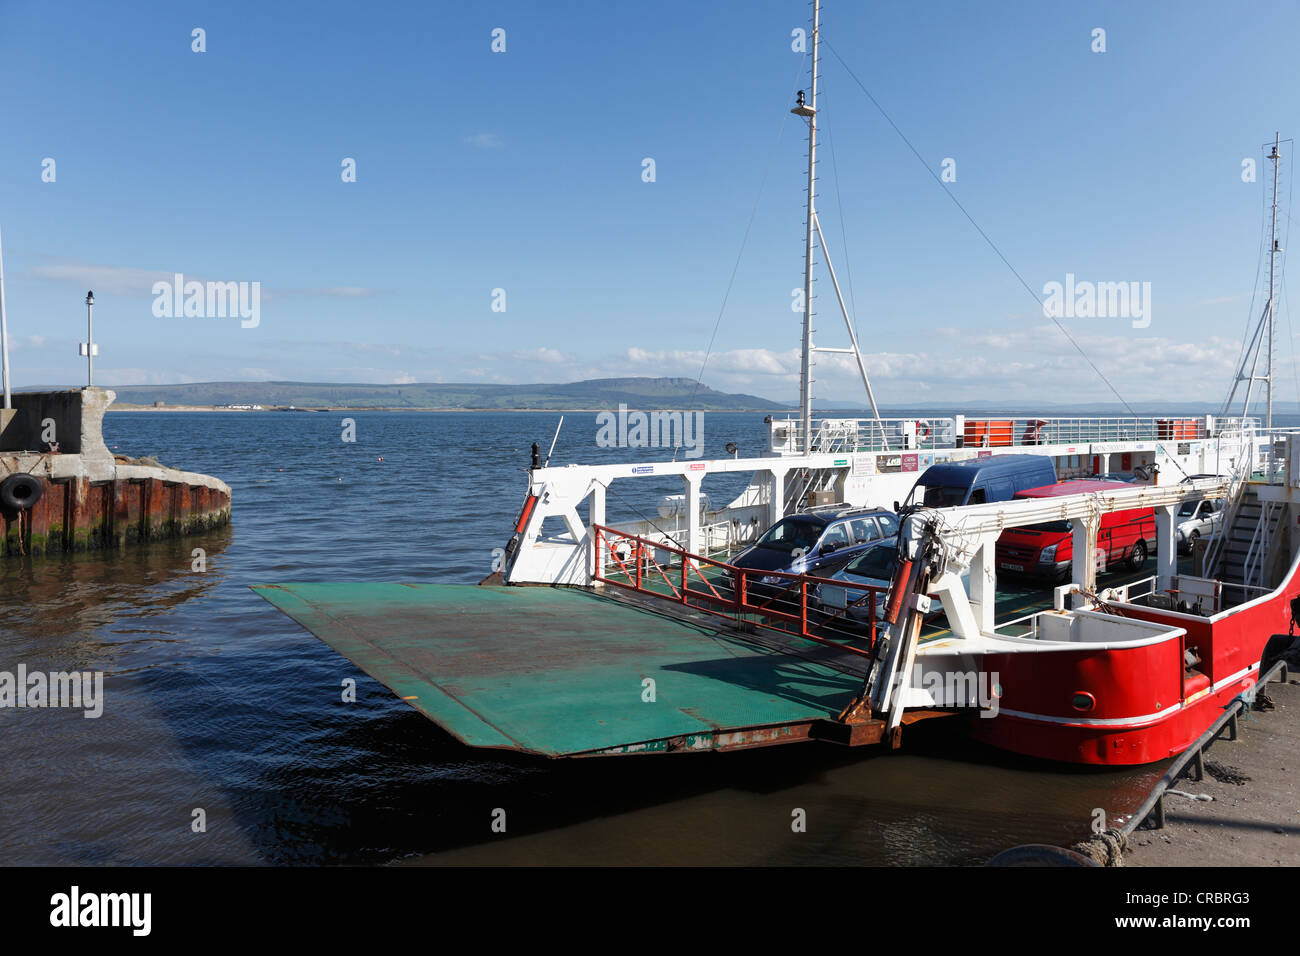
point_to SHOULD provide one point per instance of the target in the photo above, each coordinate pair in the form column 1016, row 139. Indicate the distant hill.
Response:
column 595, row 394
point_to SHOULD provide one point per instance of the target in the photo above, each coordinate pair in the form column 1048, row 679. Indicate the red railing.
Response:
column 778, row 600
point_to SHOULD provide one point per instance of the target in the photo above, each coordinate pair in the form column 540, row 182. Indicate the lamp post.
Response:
column 4, row 336
column 88, row 347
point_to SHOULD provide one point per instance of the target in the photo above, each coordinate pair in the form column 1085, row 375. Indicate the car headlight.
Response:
column 1047, row 554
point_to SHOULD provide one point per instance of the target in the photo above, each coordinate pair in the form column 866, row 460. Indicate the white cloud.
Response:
column 544, row 355
column 114, row 280
column 130, row 281
column 335, row 292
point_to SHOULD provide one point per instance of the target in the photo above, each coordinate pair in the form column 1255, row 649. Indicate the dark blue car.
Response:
column 817, row 543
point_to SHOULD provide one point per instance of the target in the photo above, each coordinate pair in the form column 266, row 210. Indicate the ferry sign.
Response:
column 1102, row 447
column 643, row 469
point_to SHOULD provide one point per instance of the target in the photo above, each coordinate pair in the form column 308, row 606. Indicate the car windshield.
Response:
column 938, row 496
column 790, row 533
column 879, row 563
column 1049, row 527
column 1187, row 509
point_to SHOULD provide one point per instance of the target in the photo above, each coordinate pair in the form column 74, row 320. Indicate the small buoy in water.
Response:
column 340, row 479
column 381, row 457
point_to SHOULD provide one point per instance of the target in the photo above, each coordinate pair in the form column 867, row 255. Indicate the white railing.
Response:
column 1031, row 633
column 1274, row 454
column 847, row 435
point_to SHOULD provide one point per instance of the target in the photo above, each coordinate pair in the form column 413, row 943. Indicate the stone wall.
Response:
column 90, row 499
column 75, row 416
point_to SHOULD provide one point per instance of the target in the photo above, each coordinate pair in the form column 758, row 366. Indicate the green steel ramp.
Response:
column 562, row 672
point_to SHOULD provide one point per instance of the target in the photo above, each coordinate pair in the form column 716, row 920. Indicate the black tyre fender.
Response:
column 20, row 491
column 1040, row 854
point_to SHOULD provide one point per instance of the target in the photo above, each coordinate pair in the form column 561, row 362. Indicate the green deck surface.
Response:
column 558, row 671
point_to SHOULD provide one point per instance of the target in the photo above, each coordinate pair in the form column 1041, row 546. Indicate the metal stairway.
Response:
column 800, row 482
column 1247, row 549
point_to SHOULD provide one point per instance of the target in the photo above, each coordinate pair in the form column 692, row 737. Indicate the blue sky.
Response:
column 522, row 171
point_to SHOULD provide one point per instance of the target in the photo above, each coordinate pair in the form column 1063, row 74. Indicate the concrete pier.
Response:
column 1253, row 815
column 89, row 498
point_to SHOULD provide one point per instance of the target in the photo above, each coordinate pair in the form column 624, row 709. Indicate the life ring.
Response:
column 622, row 551
column 19, row 492
column 922, row 430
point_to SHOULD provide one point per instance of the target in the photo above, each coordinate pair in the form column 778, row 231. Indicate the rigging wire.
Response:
column 984, row 235
column 1281, row 280
column 644, row 517
column 748, row 227
column 844, row 240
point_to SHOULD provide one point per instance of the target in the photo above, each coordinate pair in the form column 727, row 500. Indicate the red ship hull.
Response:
column 1136, row 704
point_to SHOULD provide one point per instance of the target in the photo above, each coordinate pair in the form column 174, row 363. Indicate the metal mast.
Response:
column 1272, row 287
column 1263, row 337
column 809, row 109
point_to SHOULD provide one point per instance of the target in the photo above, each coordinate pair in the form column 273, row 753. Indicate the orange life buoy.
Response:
column 622, row 551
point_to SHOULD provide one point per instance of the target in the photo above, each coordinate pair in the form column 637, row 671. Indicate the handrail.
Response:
column 1253, row 565
column 1218, row 548
column 994, row 430
column 743, row 597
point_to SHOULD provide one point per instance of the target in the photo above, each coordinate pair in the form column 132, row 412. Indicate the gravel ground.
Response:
column 1254, row 816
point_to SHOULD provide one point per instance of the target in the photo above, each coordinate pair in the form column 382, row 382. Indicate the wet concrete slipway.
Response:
column 1246, row 809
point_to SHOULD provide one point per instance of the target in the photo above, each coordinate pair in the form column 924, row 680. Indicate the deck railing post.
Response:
column 1182, row 668
column 803, row 607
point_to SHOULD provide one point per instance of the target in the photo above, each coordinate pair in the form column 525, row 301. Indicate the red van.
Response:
column 1043, row 550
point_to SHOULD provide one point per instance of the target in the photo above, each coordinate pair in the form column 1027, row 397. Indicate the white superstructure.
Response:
column 856, row 463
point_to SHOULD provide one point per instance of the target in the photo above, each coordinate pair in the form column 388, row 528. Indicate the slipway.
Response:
column 565, row 672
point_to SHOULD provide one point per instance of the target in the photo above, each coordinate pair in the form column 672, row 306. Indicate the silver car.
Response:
column 849, row 597
column 1196, row 520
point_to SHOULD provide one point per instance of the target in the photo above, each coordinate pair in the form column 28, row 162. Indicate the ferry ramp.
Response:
column 563, row 672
